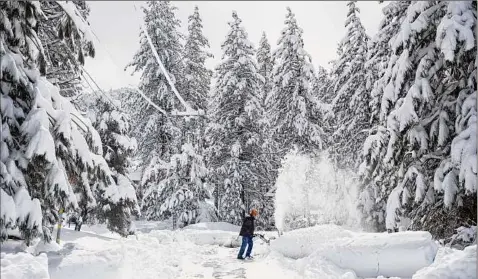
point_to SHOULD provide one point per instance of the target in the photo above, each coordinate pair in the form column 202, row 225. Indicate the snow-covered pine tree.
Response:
column 267, row 161
column 197, row 82
column 158, row 135
column 323, row 86
column 294, row 110
column 350, row 105
column 379, row 53
column 264, row 62
column 429, row 107
column 197, row 77
column 233, row 135
column 113, row 126
column 373, row 195
column 64, row 46
column 182, row 194
column 50, row 154
column 185, row 190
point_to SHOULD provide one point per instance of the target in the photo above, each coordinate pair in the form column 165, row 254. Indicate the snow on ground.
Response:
column 221, row 226
column 451, row 263
column 23, row 266
column 200, row 251
column 367, row 254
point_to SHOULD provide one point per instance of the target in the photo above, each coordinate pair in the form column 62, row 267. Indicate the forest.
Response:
column 396, row 113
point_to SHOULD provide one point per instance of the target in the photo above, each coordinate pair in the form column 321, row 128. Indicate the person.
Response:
column 247, row 233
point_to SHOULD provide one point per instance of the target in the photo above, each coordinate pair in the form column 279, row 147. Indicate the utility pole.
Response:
column 60, row 221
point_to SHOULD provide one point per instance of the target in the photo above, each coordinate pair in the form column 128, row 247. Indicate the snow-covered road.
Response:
column 326, row 251
column 161, row 254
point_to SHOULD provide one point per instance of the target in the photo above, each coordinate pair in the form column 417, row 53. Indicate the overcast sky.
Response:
column 116, row 24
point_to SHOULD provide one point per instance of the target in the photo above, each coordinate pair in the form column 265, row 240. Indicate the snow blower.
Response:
column 263, row 238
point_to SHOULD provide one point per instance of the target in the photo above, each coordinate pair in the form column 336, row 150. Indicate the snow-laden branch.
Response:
column 188, row 113
column 80, row 23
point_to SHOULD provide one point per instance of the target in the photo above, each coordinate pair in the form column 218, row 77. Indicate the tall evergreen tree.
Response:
column 233, row 136
column 267, row 161
column 158, row 135
column 294, row 112
column 373, row 195
column 184, row 193
column 197, row 76
column 264, row 62
column 428, row 108
column 379, row 53
column 50, row 154
column 350, row 105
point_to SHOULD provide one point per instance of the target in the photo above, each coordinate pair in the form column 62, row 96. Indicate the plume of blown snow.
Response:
column 311, row 188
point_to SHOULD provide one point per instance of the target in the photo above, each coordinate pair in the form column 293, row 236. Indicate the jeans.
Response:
column 246, row 241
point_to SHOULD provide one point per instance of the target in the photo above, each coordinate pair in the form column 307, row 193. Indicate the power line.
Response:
column 101, row 90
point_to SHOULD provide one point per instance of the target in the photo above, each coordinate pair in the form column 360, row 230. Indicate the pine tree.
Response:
column 198, row 77
column 379, row 53
column 294, row 112
column 350, row 105
column 50, row 154
column 264, row 62
column 267, row 160
column 113, row 125
column 158, row 135
column 186, row 184
column 232, row 135
column 323, row 86
column 428, row 108
column 372, row 197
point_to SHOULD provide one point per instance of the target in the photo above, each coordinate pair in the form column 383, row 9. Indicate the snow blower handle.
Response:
column 261, row 236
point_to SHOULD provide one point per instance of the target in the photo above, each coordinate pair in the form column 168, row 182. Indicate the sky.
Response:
column 116, row 25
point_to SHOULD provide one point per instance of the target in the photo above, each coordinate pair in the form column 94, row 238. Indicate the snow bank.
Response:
column 366, row 254
column 316, row 266
column 214, row 226
column 451, row 264
column 221, row 238
column 213, row 233
column 303, row 242
column 24, row 265
column 374, row 254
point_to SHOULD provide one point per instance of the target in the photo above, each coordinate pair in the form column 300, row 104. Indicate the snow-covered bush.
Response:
column 463, row 237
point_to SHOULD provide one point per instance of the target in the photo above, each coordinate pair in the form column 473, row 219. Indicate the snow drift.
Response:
column 24, row 266
column 220, row 226
column 451, row 263
column 303, row 242
column 367, row 254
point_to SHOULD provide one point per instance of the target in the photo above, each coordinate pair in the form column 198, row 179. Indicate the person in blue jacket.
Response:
column 247, row 233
